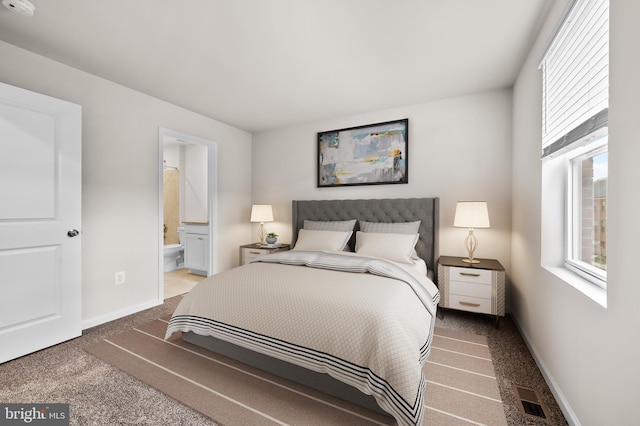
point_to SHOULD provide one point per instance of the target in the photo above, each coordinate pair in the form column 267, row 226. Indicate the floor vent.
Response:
column 530, row 403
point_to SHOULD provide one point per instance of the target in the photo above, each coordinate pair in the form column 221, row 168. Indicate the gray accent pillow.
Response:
column 390, row 228
column 338, row 225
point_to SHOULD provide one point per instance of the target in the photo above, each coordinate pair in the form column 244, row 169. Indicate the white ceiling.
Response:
column 263, row 64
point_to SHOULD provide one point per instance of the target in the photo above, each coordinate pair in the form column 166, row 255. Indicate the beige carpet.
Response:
column 461, row 389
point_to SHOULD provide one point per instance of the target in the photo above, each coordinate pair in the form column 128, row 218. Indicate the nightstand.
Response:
column 478, row 287
column 248, row 252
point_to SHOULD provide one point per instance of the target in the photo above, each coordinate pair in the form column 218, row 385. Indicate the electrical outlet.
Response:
column 120, row 278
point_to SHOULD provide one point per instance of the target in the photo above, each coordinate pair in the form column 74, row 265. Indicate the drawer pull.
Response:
column 255, row 252
column 467, row 274
column 475, row 305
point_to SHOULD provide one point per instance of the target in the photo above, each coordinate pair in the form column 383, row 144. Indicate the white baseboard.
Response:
column 569, row 414
column 111, row 316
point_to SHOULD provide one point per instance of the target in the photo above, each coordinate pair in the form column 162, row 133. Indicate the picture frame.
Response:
column 372, row 154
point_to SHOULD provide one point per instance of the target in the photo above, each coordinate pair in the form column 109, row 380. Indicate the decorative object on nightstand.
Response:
column 248, row 252
column 271, row 238
column 471, row 214
column 478, row 287
column 261, row 213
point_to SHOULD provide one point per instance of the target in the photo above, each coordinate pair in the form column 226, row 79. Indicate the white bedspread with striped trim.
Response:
column 364, row 321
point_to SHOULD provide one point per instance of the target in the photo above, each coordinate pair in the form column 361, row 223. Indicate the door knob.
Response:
column 73, row 233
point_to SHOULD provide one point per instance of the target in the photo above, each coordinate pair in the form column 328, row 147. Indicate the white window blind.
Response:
column 576, row 74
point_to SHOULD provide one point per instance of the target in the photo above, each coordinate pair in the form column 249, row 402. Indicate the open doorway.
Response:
column 186, row 211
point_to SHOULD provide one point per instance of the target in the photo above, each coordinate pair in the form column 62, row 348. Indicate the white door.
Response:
column 40, row 212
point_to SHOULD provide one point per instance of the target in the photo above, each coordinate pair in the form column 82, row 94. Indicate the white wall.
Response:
column 589, row 353
column 459, row 149
column 171, row 155
column 120, row 179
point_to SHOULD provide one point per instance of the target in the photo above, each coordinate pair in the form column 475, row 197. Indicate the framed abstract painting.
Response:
column 374, row 154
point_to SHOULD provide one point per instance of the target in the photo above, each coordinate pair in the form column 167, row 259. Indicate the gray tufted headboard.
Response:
column 426, row 210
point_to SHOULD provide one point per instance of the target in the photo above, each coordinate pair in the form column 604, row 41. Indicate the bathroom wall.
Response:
column 171, row 192
column 186, row 187
column 171, row 205
column 194, row 185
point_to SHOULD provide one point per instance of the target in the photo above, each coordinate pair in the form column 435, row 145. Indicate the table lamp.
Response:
column 261, row 213
column 471, row 214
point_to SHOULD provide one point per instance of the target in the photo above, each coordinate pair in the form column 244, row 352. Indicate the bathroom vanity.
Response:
column 196, row 249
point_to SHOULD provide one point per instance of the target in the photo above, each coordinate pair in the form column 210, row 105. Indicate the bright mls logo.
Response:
column 34, row 414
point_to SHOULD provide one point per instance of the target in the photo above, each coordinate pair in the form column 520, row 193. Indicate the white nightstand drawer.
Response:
column 251, row 253
column 472, row 304
column 482, row 276
column 470, row 289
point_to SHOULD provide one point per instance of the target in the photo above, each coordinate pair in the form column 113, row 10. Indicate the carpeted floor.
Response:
column 461, row 382
column 100, row 394
column 513, row 363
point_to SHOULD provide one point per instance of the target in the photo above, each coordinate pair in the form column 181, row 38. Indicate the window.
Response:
column 587, row 213
column 575, row 114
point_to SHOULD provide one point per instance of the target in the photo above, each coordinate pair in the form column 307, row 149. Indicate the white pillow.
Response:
column 336, row 225
column 392, row 228
column 312, row 240
column 395, row 247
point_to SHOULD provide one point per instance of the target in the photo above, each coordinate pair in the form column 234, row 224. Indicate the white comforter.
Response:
column 364, row 321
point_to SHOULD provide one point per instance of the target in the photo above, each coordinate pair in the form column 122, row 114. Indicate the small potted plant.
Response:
column 272, row 237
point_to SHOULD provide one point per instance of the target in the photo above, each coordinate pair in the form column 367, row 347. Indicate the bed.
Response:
column 307, row 314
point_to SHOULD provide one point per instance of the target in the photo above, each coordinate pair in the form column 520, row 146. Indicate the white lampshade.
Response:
column 261, row 213
column 471, row 214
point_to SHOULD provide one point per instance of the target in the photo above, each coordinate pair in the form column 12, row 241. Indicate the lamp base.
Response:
column 261, row 234
column 470, row 261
